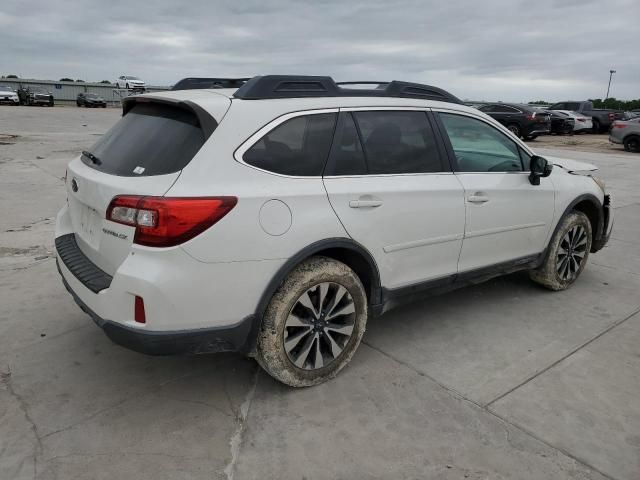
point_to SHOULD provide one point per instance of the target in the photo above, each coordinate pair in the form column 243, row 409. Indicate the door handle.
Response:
column 477, row 198
column 365, row 203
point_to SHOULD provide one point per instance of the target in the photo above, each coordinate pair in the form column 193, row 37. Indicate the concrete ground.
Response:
column 501, row 380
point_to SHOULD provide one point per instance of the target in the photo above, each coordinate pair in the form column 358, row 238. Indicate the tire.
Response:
column 320, row 351
column 127, row 86
column 531, row 137
column 632, row 144
column 596, row 126
column 559, row 270
column 514, row 128
column 78, row 104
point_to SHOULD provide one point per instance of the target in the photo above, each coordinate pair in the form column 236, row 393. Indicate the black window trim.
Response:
column 255, row 137
column 445, row 161
column 449, row 148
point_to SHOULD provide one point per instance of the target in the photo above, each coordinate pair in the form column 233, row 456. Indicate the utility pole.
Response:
column 611, row 72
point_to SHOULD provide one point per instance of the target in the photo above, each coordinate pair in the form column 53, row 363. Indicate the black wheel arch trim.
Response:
column 598, row 231
column 374, row 298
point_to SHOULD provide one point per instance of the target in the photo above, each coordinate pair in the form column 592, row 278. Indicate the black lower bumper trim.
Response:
column 234, row 338
column 79, row 265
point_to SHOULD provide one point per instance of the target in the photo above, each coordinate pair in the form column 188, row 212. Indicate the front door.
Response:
column 507, row 218
column 393, row 190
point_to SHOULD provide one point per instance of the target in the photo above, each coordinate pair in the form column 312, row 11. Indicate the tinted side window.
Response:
column 573, row 106
column 398, row 142
column 299, row 146
column 487, row 108
column 479, row 147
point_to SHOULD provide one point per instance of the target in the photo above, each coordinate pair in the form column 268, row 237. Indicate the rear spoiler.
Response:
column 206, row 121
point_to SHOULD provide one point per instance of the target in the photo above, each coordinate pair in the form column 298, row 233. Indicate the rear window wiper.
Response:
column 92, row 157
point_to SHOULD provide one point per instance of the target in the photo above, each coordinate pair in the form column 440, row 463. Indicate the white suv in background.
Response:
column 130, row 83
column 276, row 219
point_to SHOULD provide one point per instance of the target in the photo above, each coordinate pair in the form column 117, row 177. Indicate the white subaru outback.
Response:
column 276, row 219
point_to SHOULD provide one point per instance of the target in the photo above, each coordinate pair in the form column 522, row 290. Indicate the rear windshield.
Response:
column 151, row 139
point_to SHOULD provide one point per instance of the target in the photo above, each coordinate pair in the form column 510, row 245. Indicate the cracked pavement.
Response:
column 499, row 380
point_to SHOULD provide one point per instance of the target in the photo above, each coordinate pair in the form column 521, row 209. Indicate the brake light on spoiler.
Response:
column 168, row 221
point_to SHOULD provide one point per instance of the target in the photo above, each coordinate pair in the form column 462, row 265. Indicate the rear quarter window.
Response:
column 298, row 147
column 151, row 139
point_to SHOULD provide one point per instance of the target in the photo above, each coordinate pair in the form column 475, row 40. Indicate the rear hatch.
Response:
column 142, row 154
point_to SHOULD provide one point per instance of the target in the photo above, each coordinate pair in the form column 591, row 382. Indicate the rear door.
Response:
column 507, row 218
column 142, row 154
column 392, row 188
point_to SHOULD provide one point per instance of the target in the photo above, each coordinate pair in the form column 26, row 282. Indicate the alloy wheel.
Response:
column 319, row 326
column 571, row 252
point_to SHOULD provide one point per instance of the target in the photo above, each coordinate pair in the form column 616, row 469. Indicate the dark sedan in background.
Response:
column 523, row 121
column 90, row 100
column 561, row 123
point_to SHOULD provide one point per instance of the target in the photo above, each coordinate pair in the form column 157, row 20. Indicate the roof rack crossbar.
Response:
column 296, row 86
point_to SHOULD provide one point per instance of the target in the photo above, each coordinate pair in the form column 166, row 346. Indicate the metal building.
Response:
column 66, row 92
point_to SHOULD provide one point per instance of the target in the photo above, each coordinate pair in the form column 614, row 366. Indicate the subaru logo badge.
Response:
column 74, row 185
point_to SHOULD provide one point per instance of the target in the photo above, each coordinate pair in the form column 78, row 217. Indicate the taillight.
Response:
column 167, row 221
column 618, row 125
column 612, row 116
column 531, row 116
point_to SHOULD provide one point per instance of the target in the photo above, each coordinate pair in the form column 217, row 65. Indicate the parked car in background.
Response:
column 90, row 100
column 8, row 95
column 35, row 96
column 630, row 115
column 601, row 118
column 130, row 83
column 193, row 83
column 561, row 124
column 581, row 123
column 627, row 133
column 523, row 121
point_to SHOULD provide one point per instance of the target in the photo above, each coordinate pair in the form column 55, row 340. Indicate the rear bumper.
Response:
column 607, row 226
column 234, row 338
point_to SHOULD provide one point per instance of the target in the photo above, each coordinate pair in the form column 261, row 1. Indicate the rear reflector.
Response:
column 167, row 221
column 618, row 125
column 139, row 315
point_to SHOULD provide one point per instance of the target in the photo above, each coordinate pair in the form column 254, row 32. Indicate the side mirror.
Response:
column 539, row 168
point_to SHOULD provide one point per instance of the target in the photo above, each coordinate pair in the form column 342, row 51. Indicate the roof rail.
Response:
column 300, row 86
column 193, row 83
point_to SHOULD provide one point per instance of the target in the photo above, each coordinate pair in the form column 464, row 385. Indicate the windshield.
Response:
column 38, row 90
column 132, row 78
column 92, row 95
column 5, row 89
column 151, row 139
